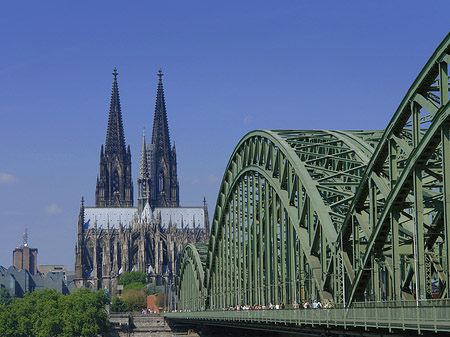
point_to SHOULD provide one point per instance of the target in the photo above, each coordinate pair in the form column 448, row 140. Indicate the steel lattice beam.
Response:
column 347, row 216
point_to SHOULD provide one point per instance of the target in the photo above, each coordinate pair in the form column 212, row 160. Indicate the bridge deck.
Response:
column 393, row 318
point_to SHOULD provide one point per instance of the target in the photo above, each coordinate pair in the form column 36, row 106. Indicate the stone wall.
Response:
column 140, row 325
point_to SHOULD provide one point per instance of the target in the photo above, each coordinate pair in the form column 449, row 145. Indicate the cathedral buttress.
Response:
column 114, row 185
column 79, row 248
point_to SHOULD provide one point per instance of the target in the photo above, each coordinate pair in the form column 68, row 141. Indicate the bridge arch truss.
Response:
column 339, row 215
column 281, row 204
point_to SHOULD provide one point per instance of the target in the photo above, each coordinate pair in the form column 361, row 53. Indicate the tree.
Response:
column 133, row 286
column 5, row 297
column 134, row 276
column 135, row 299
column 8, row 322
column 48, row 313
column 119, row 305
column 46, row 316
column 84, row 313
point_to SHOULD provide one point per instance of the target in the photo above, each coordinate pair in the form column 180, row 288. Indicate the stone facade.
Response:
column 115, row 237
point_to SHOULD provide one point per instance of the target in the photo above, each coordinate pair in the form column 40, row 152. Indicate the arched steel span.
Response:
column 339, row 215
column 281, row 204
column 407, row 236
column 192, row 276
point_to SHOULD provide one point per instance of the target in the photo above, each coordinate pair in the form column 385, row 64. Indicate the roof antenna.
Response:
column 25, row 238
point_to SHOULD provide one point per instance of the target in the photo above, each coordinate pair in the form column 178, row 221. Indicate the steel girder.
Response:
column 356, row 215
column 191, row 279
column 282, row 202
column 407, row 252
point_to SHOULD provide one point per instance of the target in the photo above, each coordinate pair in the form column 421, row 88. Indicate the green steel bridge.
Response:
column 359, row 218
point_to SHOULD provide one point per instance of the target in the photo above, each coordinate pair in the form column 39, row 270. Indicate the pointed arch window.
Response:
column 161, row 182
column 115, row 182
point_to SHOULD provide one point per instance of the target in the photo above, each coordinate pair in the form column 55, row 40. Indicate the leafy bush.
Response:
column 136, row 299
column 133, row 286
column 119, row 305
column 131, row 277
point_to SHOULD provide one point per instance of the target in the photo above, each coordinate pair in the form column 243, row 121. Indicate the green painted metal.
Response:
column 417, row 193
column 398, row 316
column 286, row 194
column 335, row 215
column 191, row 279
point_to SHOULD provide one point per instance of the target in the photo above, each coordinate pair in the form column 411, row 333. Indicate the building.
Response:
column 50, row 269
column 25, row 257
column 116, row 237
column 44, row 269
column 18, row 282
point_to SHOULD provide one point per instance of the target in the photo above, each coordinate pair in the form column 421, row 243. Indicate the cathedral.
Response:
column 114, row 236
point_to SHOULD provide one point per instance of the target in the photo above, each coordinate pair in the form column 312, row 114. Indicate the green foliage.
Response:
column 134, row 276
column 133, row 286
column 48, row 313
column 5, row 297
column 84, row 313
column 135, row 299
column 119, row 305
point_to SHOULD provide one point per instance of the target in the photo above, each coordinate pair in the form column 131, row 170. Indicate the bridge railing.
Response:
column 402, row 303
column 425, row 317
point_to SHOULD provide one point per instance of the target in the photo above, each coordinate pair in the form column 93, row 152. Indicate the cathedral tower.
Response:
column 144, row 181
column 113, row 240
column 158, row 182
column 114, row 185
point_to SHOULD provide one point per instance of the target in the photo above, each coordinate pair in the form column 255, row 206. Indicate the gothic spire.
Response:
column 115, row 137
column 144, row 163
column 114, row 186
column 162, row 163
column 160, row 136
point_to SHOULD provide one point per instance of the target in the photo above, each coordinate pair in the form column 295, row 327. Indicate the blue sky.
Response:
column 230, row 67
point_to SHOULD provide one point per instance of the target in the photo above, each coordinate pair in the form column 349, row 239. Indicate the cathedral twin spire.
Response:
column 160, row 136
column 115, row 137
column 114, row 185
column 158, row 182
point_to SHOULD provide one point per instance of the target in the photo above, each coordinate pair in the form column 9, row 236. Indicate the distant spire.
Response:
column 115, row 137
column 144, row 164
column 115, row 73
column 81, row 218
column 160, row 136
column 162, row 164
